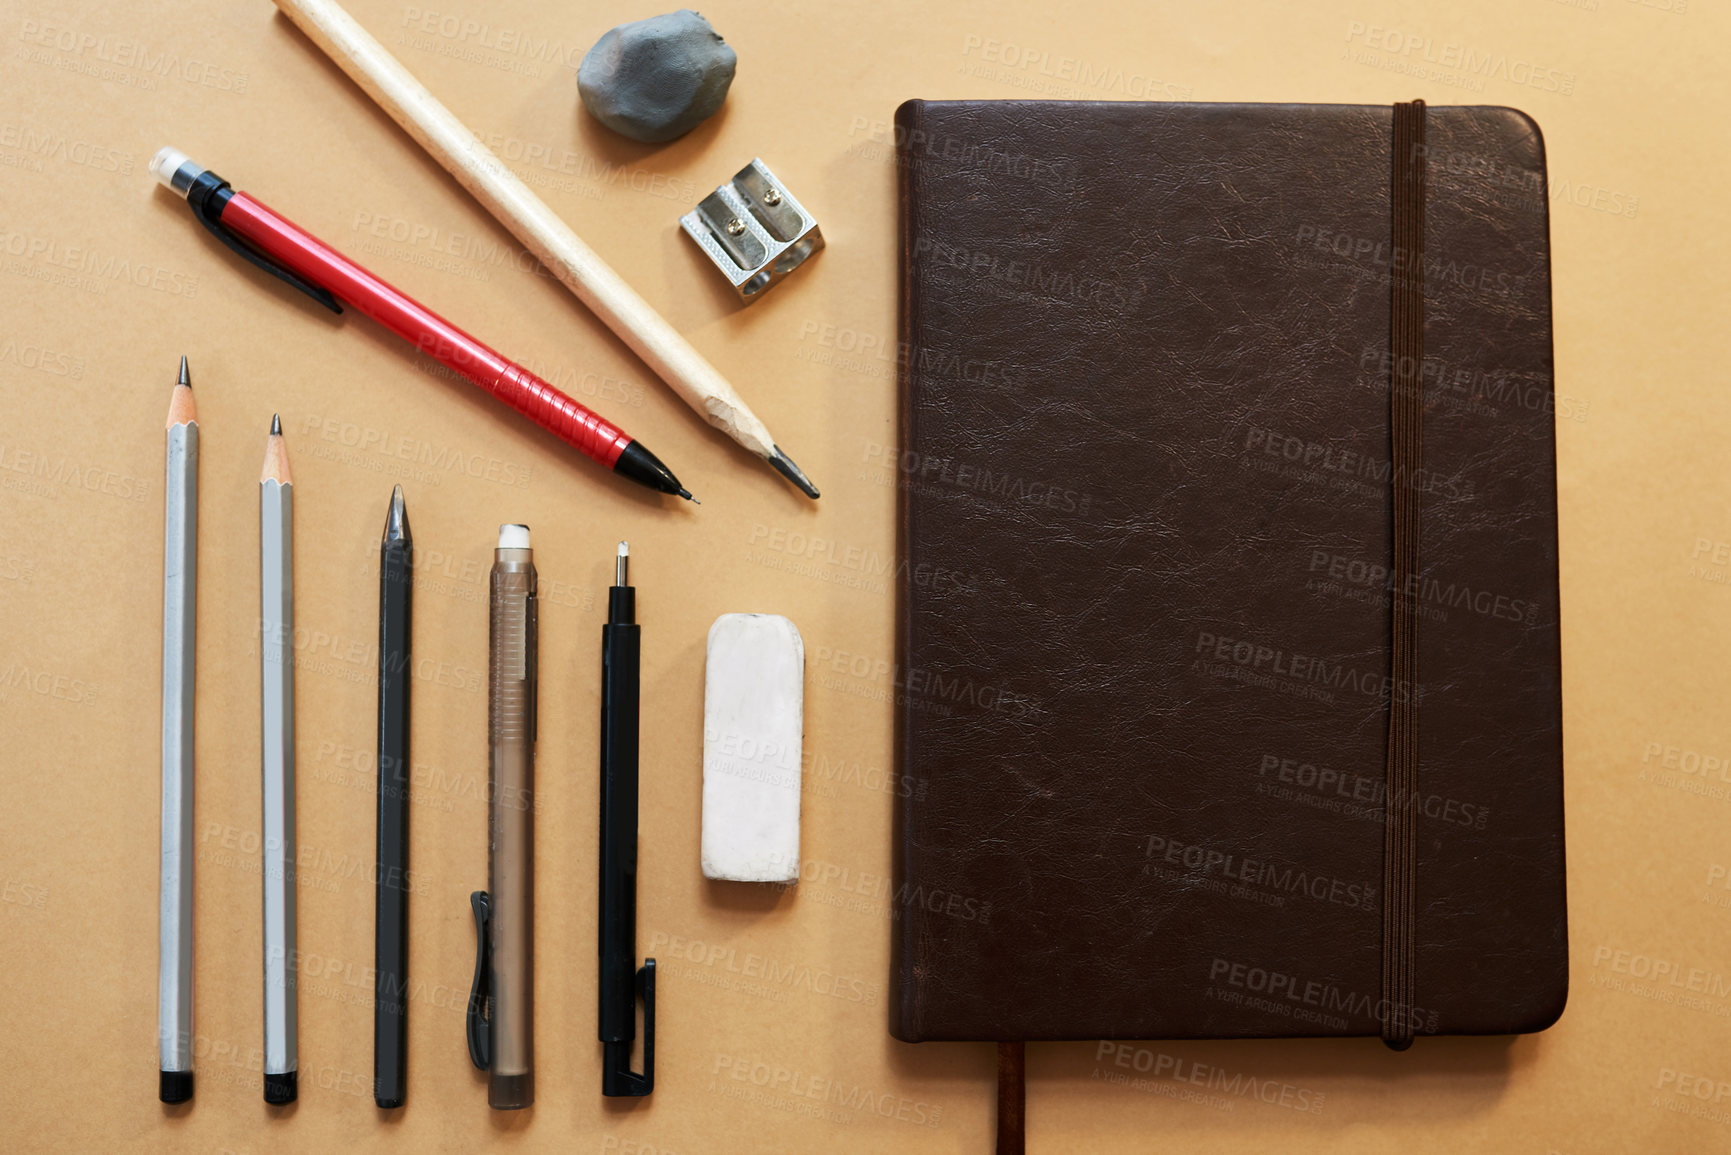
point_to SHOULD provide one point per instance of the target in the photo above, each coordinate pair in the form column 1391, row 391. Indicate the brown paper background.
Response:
column 104, row 282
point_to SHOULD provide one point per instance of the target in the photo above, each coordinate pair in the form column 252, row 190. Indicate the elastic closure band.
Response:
column 1406, row 459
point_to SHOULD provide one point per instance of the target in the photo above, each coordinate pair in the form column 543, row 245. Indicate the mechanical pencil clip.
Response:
column 282, row 249
column 621, row 983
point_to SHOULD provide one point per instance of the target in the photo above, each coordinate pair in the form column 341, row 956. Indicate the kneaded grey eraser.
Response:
column 753, row 735
column 656, row 79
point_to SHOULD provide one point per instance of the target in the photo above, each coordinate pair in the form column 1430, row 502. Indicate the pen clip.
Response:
column 532, row 660
column 207, row 195
column 480, row 993
column 617, row 1077
column 646, row 992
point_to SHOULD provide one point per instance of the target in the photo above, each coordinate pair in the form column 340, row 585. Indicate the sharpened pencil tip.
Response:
column 276, row 463
column 784, row 465
column 397, row 520
column 182, row 410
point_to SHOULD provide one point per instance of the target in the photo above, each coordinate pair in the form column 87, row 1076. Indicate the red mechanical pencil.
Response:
column 285, row 251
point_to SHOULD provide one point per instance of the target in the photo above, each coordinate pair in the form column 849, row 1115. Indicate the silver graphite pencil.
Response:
column 277, row 683
column 179, row 629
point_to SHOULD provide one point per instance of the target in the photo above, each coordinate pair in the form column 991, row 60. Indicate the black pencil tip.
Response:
column 784, row 465
column 276, row 425
column 397, row 521
column 185, row 377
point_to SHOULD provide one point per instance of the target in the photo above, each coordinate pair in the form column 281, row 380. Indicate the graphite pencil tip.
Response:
column 686, row 494
column 397, row 520
column 784, row 465
column 276, row 463
column 182, row 410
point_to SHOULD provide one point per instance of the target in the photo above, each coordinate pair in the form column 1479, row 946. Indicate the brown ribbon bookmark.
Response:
column 1012, row 1099
column 1406, row 460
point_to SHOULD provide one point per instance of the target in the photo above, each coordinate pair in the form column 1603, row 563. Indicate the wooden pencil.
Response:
column 578, row 267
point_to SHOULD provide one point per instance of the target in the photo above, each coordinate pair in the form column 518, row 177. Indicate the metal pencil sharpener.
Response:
column 753, row 230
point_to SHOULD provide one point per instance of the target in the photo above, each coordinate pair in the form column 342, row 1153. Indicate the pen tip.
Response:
column 686, row 494
column 185, row 377
column 784, row 465
column 276, row 425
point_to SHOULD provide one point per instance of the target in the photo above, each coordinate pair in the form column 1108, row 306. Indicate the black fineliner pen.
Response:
column 621, row 982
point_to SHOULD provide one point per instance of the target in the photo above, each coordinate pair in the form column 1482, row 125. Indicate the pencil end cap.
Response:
column 174, row 170
column 176, row 1087
column 283, row 1088
column 511, row 1092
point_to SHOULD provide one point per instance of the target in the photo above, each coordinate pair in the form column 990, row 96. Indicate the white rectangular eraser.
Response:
column 753, row 737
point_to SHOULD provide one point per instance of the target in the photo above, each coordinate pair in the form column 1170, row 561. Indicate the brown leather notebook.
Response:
column 1229, row 671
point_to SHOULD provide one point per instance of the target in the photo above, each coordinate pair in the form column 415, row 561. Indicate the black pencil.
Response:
column 621, row 984
column 391, row 928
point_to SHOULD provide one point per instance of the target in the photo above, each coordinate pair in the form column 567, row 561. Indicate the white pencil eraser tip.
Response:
column 753, row 734
column 513, row 537
column 166, row 163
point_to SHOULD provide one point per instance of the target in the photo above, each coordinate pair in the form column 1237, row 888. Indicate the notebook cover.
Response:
column 1144, row 612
